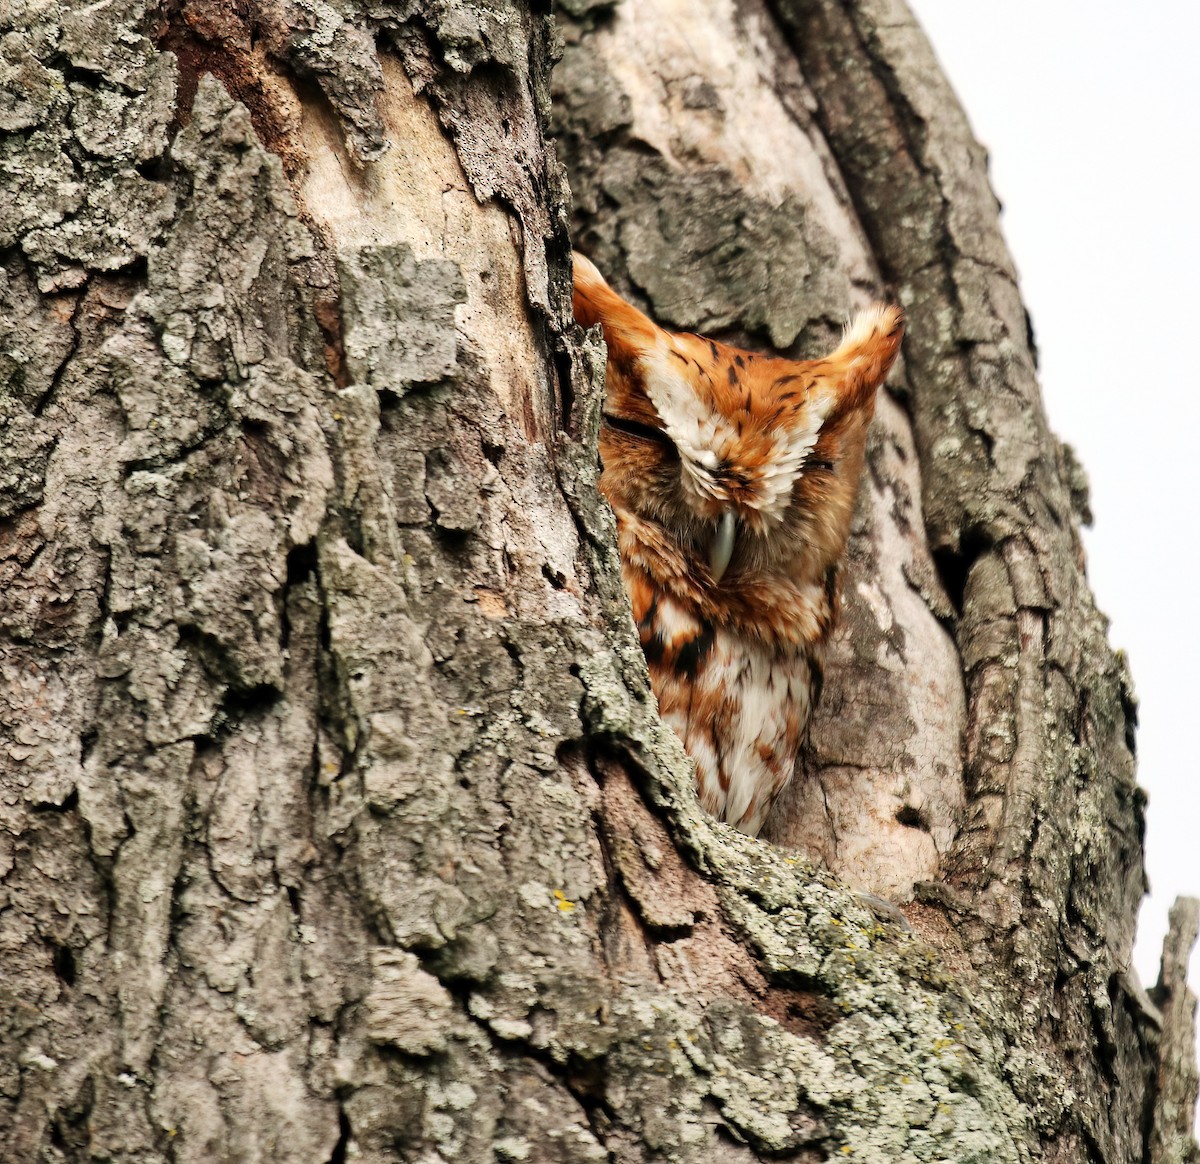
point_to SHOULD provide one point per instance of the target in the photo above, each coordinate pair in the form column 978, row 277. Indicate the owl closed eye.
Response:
column 733, row 477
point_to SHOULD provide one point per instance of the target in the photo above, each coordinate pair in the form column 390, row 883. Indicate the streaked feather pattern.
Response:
column 733, row 477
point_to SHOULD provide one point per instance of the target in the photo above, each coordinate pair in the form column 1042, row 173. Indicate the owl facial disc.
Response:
column 721, row 549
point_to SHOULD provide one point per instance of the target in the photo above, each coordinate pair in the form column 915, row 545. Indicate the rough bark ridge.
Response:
column 337, row 823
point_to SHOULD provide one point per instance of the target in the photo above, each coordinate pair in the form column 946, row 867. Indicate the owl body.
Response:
column 732, row 476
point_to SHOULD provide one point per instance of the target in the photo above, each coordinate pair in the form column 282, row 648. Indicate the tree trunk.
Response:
column 338, row 823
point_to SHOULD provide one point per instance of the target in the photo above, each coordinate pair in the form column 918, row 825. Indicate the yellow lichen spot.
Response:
column 845, row 1149
column 560, row 899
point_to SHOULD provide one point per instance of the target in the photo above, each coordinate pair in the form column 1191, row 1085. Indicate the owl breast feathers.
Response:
column 733, row 477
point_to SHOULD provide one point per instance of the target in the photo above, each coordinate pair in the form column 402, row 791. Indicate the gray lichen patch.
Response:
column 91, row 237
column 28, row 88
column 69, row 186
column 398, row 316
column 406, row 1008
column 40, row 166
column 111, row 125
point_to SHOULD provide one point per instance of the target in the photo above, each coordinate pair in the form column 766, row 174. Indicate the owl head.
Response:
column 746, row 462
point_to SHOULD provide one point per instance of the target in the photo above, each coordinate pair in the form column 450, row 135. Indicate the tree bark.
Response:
column 337, row 820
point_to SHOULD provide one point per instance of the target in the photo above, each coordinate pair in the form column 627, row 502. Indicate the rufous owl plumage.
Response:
column 733, row 477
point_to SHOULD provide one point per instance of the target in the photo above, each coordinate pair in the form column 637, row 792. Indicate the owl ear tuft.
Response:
column 629, row 334
column 589, row 289
column 865, row 356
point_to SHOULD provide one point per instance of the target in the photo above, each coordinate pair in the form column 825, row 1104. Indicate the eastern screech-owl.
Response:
column 733, row 477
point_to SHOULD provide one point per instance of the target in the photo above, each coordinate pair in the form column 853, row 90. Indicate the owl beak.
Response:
column 721, row 549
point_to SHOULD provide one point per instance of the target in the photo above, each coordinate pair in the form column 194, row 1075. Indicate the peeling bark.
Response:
column 336, row 819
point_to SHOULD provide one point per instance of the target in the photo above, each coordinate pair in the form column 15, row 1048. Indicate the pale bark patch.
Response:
column 417, row 194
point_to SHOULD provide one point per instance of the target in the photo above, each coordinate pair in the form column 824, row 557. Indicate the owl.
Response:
column 733, row 477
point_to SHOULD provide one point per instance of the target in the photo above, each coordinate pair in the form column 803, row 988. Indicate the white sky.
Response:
column 1091, row 114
